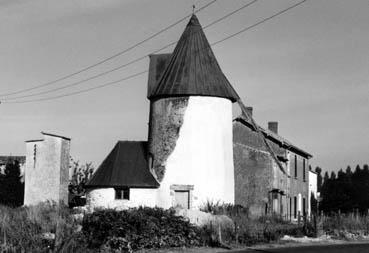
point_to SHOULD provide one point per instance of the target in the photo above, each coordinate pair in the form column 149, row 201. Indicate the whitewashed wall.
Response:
column 203, row 155
column 313, row 187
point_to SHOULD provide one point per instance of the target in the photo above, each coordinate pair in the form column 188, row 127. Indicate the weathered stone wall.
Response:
column 166, row 119
column 258, row 178
column 47, row 170
column 196, row 149
column 253, row 178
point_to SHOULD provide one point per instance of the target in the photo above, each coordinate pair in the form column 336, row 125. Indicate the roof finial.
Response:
column 193, row 9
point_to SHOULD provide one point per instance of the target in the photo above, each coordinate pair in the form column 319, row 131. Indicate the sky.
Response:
column 307, row 69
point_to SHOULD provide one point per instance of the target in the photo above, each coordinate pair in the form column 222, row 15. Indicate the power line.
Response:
column 108, row 58
column 146, row 71
column 80, row 91
column 126, row 64
column 261, row 22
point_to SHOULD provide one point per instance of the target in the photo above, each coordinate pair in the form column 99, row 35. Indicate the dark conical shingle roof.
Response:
column 193, row 69
column 125, row 166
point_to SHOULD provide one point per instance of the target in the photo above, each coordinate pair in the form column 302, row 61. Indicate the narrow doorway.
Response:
column 182, row 199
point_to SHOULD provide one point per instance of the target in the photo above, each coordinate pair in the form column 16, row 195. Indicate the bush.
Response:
column 139, row 228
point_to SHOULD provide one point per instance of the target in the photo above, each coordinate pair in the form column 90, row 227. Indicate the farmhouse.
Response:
column 267, row 185
column 195, row 152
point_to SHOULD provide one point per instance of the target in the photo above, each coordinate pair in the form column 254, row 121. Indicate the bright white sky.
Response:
column 307, row 69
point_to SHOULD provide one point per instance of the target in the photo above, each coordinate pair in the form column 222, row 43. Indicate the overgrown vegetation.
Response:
column 139, row 228
column 38, row 229
column 344, row 226
column 48, row 227
column 247, row 230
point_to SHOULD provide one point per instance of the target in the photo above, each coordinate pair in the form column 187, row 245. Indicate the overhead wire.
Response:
column 108, row 58
column 126, row 64
column 143, row 72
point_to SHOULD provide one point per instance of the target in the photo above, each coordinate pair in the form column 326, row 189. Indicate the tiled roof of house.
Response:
column 125, row 166
column 273, row 136
column 193, row 69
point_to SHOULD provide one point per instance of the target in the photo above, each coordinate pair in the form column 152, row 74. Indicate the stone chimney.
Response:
column 273, row 126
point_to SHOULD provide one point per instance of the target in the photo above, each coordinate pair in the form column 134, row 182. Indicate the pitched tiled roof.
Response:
column 193, row 69
column 125, row 166
column 273, row 136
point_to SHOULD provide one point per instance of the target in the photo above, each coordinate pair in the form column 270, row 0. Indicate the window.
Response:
column 295, row 207
column 290, row 207
column 122, row 193
column 295, row 166
column 304, row 171
column 303, row 206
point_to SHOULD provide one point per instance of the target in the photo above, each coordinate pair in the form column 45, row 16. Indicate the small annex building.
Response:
column 123, row 178
column 47, row 169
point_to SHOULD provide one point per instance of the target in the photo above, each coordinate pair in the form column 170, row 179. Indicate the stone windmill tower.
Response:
column 190, row 127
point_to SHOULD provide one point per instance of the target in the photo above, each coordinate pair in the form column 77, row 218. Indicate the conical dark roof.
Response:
column 125, row 166
column 193, row 69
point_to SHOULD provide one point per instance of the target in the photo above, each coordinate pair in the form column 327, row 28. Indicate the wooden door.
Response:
column 182, row 199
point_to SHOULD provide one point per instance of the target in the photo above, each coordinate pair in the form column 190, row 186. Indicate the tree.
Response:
column 326, row 177
column 346, row 191
column 348, row 170
column 81, row 174
column 12, row 189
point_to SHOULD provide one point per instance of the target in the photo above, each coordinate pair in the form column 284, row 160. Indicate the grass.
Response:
column 25, row 229
column 249, row 231
column 336, row 224
column 33, row 229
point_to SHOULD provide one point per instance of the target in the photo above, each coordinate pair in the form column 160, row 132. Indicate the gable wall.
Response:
column 257, row 174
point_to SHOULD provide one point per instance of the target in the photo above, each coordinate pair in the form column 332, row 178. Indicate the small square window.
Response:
column 122, row 193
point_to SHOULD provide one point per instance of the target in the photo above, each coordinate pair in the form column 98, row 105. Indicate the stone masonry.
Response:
column 47, row 169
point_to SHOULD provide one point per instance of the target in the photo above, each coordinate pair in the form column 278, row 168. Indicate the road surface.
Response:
column 336, row 248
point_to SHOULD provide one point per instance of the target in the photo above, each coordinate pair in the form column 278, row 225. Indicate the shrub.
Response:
column 139, row 228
